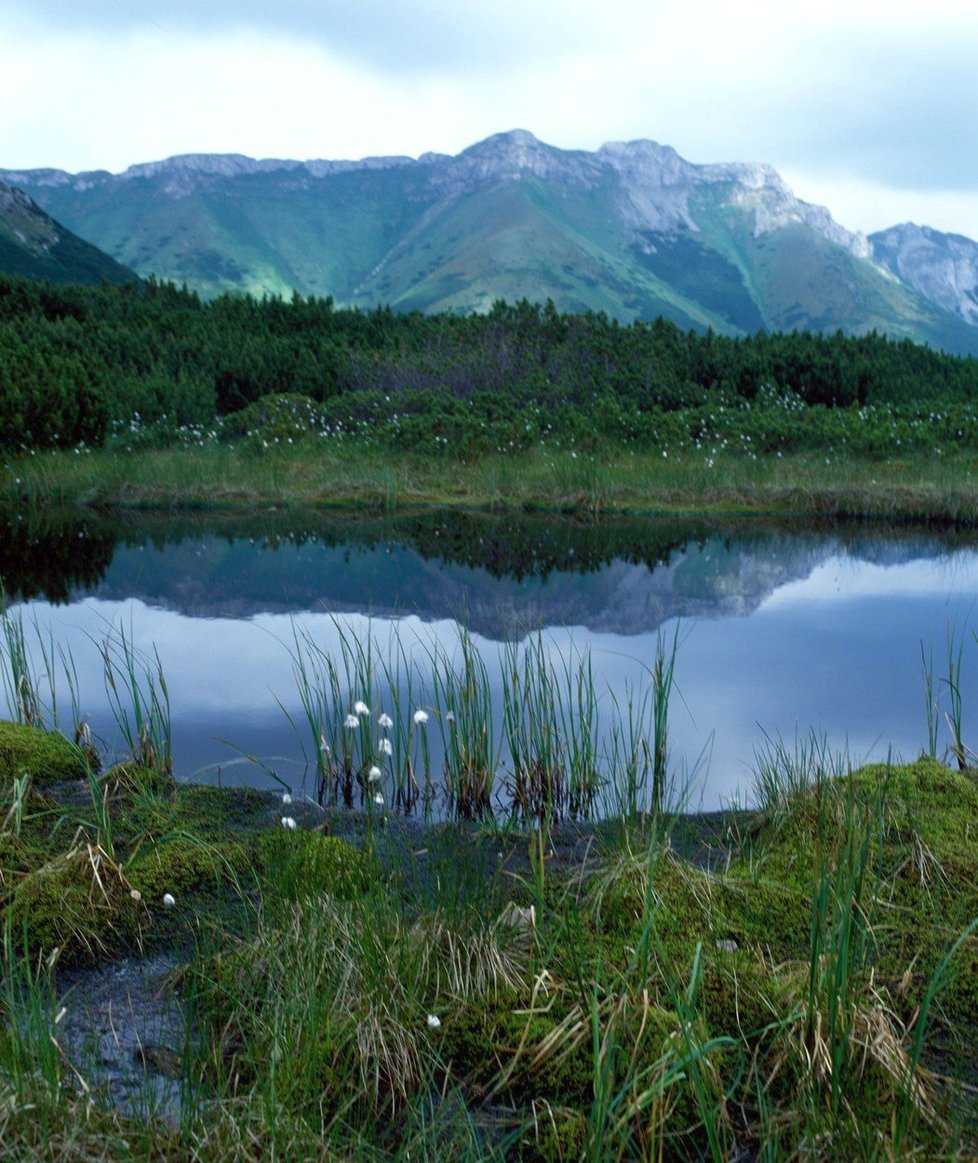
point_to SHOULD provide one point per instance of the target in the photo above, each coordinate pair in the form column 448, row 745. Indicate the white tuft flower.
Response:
column 323, row 745
column 373, row 774
column 288, row 822
column 450, row 717
column 169, row 900
column 385, row 747
column 434, row 1021
column 420, row 717
column 379, row 800
column 361, row 708
column 286, row 798
column 351, row 721
column 385, row 722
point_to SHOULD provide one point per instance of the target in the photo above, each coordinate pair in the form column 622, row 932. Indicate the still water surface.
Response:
column 781, row 633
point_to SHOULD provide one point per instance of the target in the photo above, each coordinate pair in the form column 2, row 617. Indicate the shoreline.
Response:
column 614, row 483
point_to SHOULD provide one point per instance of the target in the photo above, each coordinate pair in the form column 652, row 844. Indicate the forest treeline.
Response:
column 78, row 363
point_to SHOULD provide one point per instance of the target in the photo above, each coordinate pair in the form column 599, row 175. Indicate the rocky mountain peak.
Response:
column 661, row 163
column 517, row 154
column 943, row 267
column 23, row 220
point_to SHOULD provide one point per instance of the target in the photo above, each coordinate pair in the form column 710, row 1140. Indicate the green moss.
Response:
column 215, row 813
column 762, row 912
column 79, row 903
column 677, row 899
column 45, row 756
column 920, row 824
column 555, row 1136
column 16, row 858
column 744, row 996
column 304, row 864
column 486, row 1042
column 186, row 869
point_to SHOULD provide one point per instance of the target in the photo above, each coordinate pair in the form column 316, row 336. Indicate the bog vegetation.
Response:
column 797, row 980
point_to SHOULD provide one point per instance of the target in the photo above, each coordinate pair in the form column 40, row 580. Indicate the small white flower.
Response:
column 323, row 745
column 385, row 747
column 379, row 800
column 385, row 722
column 420, row 717
column 373, row 774
column 361, row 708
column 351, row 721
column 169, row 900
column 286, row 799
column 434, row 1021
column 450, row 717
column 288, row 822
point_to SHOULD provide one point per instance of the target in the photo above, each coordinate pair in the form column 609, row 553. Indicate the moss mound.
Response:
column 45, row 756
column 212, row 813
column 186, row 869
column 308, row 864
column 80, row 904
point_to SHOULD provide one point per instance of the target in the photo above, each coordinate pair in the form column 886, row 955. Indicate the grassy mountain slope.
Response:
column 33, row 245
column 517, row 240
column 262, row 234
column 798, row 279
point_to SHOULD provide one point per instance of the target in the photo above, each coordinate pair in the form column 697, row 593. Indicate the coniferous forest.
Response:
column 154, row 363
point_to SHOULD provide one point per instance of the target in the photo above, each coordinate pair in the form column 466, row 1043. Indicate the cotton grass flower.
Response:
column 373, row 774
column 360, row 708
column 289, row 823
column 379, row 800
column 385, row 747
column 169, row 900
column 351, row 722
column 434, row 1022
column 385, row 722
column 420, row 717
column 286, row 799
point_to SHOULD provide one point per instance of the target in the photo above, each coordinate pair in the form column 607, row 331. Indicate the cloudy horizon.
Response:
column 864, row 107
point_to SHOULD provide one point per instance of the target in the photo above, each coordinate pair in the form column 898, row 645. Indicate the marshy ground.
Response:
column 794, row 981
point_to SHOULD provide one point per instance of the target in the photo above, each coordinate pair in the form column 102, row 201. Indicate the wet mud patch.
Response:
column 125, row 1030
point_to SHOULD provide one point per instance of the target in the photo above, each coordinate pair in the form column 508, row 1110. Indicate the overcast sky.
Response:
column 867, row 106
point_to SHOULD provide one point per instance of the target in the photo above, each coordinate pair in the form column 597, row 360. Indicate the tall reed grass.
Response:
column 405, row 721
column 462, row 693
column 138, row 698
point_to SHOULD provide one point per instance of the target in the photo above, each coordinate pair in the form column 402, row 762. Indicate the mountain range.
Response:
column 631, row 229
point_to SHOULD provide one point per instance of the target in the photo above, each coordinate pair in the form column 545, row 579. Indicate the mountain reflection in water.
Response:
column 782, row 632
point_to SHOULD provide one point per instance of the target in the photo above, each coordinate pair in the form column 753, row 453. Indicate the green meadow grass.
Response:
column 364, row 477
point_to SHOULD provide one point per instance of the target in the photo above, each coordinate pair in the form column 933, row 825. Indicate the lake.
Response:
column 783, row 632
